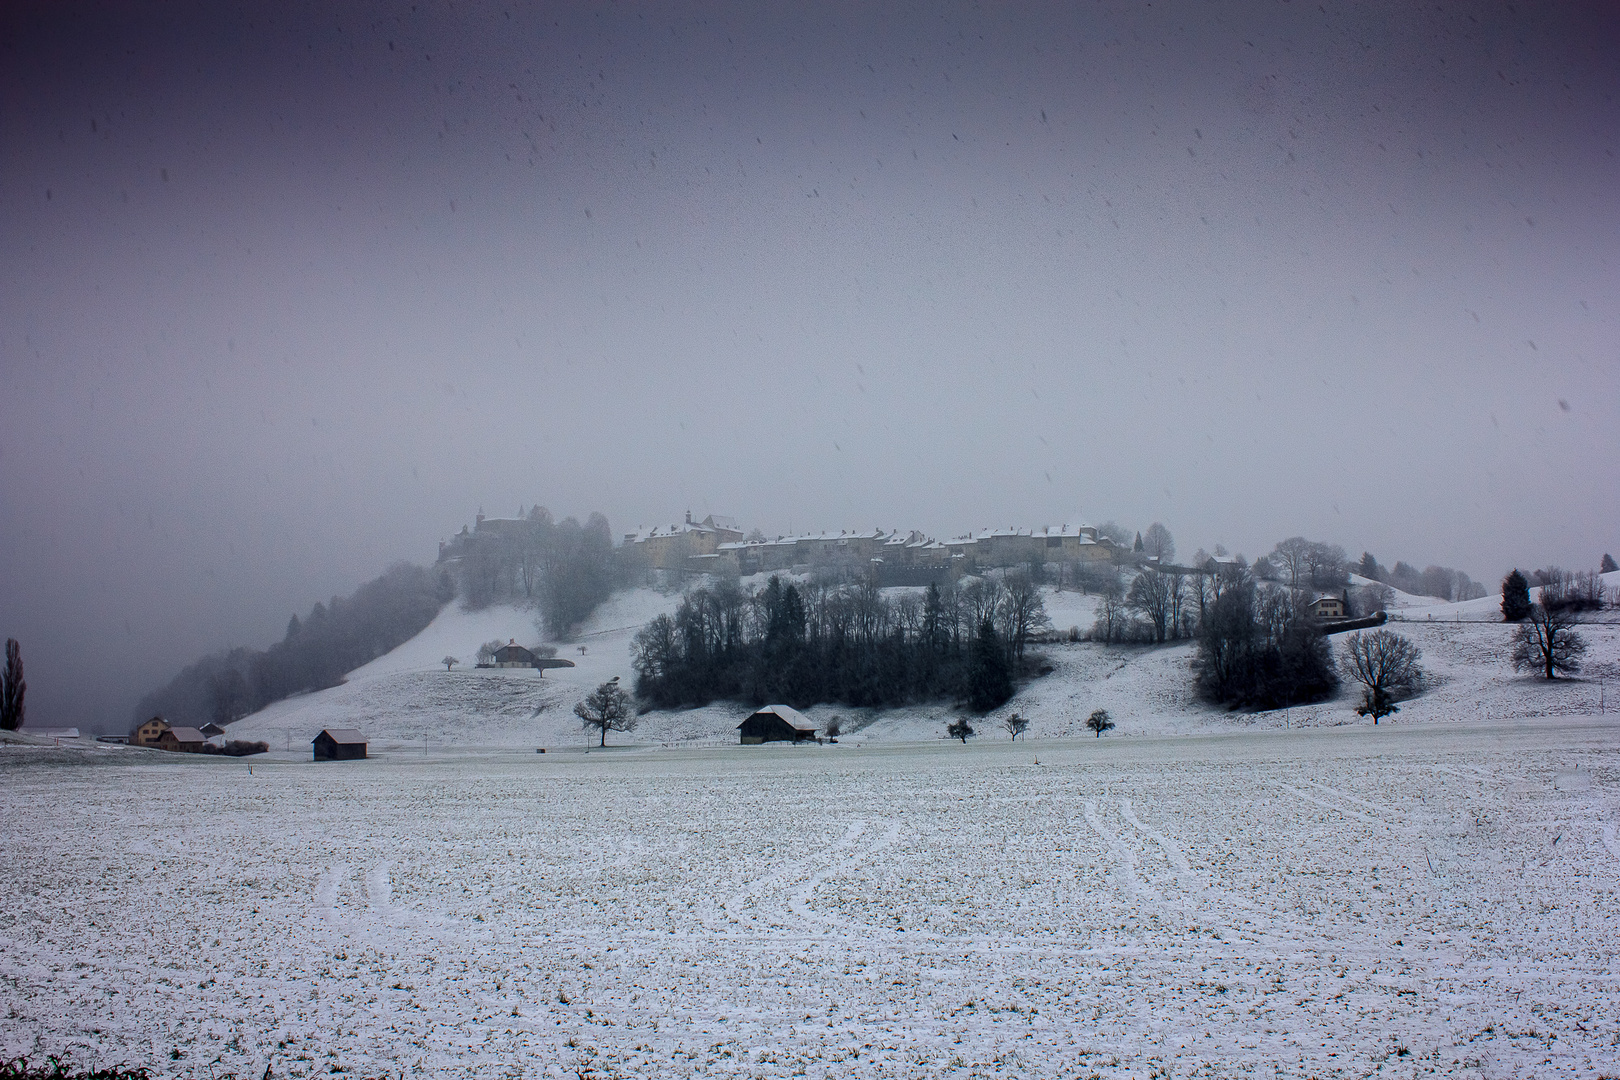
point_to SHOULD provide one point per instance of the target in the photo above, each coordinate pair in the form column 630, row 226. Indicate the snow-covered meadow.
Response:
column 1394, row 901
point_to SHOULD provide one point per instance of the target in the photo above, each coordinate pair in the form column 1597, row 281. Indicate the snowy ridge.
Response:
column 407, row 699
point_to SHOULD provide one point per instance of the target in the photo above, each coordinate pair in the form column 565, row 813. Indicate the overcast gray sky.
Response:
column 287, row 293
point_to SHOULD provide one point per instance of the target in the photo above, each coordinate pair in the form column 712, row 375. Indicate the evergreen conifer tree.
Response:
column 12, row 688
column 1515, row 597
column 989, row 680
column 1608, row 566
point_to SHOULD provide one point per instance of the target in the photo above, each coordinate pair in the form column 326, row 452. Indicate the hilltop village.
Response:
column 717, row 545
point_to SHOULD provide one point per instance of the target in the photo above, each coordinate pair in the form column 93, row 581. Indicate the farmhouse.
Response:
column 1328, row 607
column 513, row 655
column 776, row 723
column 339, row 744
column 148, row 733
column 187, row 740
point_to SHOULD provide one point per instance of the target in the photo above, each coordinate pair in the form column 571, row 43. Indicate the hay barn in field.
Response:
column 776, row 723
column 339, row 744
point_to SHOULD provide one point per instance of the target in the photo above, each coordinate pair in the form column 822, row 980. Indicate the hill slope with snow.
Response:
column 407, row 699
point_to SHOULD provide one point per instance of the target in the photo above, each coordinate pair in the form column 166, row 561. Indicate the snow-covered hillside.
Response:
column 407, row 698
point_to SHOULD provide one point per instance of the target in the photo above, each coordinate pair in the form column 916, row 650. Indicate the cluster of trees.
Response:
column 13, row 689
column 566, row 567
column 848, row 643
column 1305, row 563
column 1163, row 602
column 1441, row 582
column 1563, row 590
column 316, row 652
column 1546, row 640
column 1260, row 648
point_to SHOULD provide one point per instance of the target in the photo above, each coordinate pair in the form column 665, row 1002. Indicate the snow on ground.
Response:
column 1485, row 609
column 1400, row 901
column 406, row 698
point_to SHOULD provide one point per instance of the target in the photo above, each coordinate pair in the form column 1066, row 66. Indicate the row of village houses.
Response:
column 717, row 545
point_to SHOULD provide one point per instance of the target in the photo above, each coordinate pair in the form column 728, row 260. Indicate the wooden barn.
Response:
column 776, row 723
column 339, row 744
column 187, row 740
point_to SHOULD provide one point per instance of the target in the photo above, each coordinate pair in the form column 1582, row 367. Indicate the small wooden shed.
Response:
column 339, row 744
column 211, row 729
column 776, row 723
column 187, row 740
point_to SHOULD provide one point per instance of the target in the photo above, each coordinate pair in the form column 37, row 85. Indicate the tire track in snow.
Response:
column 1308, row 797
column 326, row 890
column 1185, row 876
column 799, row 900
column 1133, row 883
column 1382, row 812
column 380, row 893
column 754, row 894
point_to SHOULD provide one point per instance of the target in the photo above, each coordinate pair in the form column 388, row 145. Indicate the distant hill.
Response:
column 315, row 654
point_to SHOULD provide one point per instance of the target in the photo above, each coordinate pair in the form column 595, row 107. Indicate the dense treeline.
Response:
column 1260, row 648
column 316, row 652
column 844, row 643
column 564, row 566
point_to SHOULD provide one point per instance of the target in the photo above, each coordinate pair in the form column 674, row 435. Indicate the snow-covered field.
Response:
column 1295, row 893
column 1354, row 901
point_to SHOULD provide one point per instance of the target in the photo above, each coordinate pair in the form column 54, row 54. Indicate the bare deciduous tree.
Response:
column 1547, row 642
column 1158, row 541
column 1016, row 725
column 449, row 662
column 1292, row 558
column 1111, row 616
column 1023, row 612
column 1155, row 596
column 607, row 708
column 1386, row 665
column 1370, row 599
column 960, row 729
column 1099, row 722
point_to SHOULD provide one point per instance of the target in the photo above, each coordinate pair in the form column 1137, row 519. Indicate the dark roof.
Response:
column 342, row 736
column 513, row 651
column 186, row 734
column 211, row 728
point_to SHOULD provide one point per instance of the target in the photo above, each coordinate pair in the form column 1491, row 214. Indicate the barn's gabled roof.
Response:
column 789, row 715
column 186, row 734
column 342, row 736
